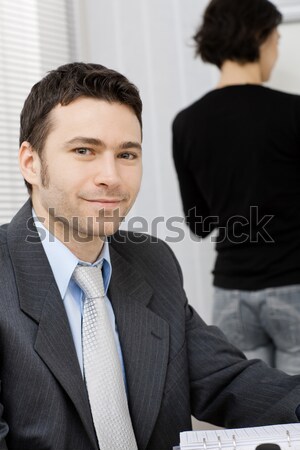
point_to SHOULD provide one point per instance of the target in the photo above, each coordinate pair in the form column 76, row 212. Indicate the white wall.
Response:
column 150, row 42
column 286, row 75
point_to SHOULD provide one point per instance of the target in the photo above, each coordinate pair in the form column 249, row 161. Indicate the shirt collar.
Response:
column 63, row 261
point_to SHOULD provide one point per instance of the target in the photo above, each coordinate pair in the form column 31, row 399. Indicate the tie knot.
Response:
column 89, row 279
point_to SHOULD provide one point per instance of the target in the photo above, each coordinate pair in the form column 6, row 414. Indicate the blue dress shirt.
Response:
column 63, row 263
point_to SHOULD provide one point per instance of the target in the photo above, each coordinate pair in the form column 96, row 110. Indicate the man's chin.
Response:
column 91, row 234
column 103, row 230
column 108, row 231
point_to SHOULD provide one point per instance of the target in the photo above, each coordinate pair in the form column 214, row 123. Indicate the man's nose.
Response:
column 107, row 172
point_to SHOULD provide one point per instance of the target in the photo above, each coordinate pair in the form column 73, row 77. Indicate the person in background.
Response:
column 236, row 152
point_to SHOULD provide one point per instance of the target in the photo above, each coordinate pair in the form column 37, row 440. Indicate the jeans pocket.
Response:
column 282, row 317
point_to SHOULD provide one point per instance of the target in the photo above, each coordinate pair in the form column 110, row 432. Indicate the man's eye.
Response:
column 83, row 151
column 127, row 155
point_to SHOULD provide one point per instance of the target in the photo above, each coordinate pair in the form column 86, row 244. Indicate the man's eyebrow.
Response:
column 80, row 140
column 130, row 144
column 85, row 140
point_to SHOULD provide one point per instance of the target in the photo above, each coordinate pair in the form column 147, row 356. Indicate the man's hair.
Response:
column 234, row 30
column 64, row 85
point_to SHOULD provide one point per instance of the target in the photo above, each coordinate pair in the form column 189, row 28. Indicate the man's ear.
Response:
column 29, row 163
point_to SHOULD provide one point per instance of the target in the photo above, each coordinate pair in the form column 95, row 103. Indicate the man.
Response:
column 80, row 155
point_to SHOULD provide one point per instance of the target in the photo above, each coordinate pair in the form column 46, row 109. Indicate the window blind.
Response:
column 35, row 37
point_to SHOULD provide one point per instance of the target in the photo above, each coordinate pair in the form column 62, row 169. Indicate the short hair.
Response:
column 64, row 85
column 234, row 30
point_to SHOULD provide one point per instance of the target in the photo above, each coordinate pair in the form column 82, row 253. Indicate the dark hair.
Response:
column 65, row 84
column 235, row 29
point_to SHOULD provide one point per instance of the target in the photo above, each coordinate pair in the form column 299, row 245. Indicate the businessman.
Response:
column 99, row 347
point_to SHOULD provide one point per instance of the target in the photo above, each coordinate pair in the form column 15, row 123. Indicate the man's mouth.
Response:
column 105, row 202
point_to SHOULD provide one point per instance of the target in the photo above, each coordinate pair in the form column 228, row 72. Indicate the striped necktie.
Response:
column 101, row 365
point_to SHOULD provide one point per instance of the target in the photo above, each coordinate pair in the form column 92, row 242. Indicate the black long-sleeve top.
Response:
column 237, row 156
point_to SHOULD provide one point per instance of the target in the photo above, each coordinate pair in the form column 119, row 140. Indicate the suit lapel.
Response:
column 144, row 338
column 40, row 299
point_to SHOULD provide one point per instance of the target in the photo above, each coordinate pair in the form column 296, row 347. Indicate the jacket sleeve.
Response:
column 228, row 390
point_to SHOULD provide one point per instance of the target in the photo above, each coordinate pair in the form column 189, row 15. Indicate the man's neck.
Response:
column 88, row 250
column 233, row 73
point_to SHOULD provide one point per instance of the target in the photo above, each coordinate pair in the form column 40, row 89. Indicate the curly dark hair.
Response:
column 234, row 30
column 64, row 85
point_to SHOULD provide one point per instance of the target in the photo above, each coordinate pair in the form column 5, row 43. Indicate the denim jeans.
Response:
column 264, row 324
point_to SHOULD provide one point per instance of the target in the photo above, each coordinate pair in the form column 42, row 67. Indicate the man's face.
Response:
column 91, row 168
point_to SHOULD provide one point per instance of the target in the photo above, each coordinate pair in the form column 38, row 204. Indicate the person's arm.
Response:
column 195, row 207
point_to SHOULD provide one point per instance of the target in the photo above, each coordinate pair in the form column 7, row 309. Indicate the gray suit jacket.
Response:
column 175, row 364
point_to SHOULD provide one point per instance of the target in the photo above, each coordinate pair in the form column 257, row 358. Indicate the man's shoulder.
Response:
column 149, row 258
column 128, row 241
column 143, row 250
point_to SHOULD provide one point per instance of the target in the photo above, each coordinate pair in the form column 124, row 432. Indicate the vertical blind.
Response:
column 35, row 36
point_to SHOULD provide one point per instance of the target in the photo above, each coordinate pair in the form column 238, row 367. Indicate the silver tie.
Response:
column 102, row 368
